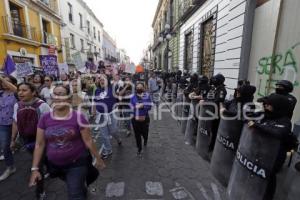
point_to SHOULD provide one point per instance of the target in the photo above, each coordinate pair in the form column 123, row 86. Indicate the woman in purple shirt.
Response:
column 8, row 99
column 104, row 111
column 65, row 136
column 141, row 104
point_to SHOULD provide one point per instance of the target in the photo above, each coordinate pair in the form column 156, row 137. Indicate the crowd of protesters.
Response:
column 64, row 121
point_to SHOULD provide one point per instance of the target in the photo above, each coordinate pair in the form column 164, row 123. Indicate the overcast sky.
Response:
column 128, row 21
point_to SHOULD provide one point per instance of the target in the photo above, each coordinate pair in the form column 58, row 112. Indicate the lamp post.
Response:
column 166, row 36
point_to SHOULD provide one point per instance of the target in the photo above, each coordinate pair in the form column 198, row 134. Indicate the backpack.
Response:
column 28, row 118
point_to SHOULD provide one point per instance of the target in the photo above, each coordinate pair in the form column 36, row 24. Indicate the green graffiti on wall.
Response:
column 277, row 67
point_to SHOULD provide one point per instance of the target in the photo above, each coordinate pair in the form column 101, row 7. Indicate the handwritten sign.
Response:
column 78, row 62
column 63, row 68
column 90, row 66
column 130, row 69
column 24, row 69
column 49, row 64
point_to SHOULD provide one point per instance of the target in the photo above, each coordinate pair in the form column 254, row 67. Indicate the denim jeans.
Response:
column 5, row 139
column 155, row 97
column 127, row 121
column 74, row 175
column 76, row 182
column 108, row 128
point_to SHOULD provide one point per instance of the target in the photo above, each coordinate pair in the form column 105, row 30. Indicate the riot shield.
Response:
column 179, row 107
column 228, row 138
column 185, row 114
column 204, row 131
column 253, row 164
column 289, row 188
column 192, row 124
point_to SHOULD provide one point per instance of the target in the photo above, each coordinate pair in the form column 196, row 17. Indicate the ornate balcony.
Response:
column 14, row 29
column 48, row 39
column 187, row 7
column 51, row 6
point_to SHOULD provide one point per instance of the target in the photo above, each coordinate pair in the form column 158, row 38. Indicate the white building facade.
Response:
column 122, row 57
column 82, row 32
column 109, row 48
column 214, row 40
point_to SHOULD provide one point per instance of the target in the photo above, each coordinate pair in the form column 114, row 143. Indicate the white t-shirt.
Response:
column 43, row 109
column 46, row 94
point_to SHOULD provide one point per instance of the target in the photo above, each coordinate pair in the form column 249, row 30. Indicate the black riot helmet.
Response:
column 243, row 82
column 279, row 104
column 284, row 87
column 203, row 80
column 246, row 93
column 194, row 78
column 217, row 80
column 179, row 73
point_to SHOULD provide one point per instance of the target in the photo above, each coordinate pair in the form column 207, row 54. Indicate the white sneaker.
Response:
column 42, row 196
column 9, row 171
column 128, row 133
column 1, row 157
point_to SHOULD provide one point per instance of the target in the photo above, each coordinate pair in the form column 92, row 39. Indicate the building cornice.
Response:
column 106, row 34
column 37, row 5
column 157, row 12
column 83, row 4
column 21, row 40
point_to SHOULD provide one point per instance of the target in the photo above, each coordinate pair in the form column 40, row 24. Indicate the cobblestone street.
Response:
column 168, row 169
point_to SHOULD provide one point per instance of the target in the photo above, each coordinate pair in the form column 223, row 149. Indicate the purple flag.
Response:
column 9, row 65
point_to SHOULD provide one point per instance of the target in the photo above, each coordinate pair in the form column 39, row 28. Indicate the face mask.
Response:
column 268, row 114
column 239, row 99
column 139, row 91
column 280, row 91
column 213, row 81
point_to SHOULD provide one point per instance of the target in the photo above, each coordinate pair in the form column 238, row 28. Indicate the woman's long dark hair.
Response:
column 30, row 86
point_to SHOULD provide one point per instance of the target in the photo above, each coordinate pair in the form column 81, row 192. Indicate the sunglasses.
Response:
column 59, row 96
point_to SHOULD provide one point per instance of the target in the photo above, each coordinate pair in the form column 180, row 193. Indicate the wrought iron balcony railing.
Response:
column 17, row 28
column 187, row 5
column 48, row 38
column 50, row 4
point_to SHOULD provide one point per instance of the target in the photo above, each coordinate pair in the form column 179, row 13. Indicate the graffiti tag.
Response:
column 277, row 67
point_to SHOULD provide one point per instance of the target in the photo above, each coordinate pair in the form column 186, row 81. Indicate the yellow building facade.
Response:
column 30, row 28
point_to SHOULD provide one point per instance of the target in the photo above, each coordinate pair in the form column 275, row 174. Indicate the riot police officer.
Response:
column 243, row 94
column 285, row 87
column 240, row 84
column 192, row 86
column 275, row 124
column 201, row 91
column 183, row 82
column 216, row 94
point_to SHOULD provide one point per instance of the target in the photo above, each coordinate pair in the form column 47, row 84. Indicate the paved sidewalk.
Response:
column 168, row 169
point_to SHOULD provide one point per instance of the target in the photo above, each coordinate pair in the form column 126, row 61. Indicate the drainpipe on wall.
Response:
column 275, row 44
column 247, row 39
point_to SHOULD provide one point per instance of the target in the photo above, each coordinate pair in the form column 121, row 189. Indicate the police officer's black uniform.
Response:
column 216, row 94
column 285, row 89
column 276, row 124
column 246, row 96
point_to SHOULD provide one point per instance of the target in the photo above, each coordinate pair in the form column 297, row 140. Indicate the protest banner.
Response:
column 90, row 66
column 63, row 68
column 24, row 69
column 49, row 64
column 77, row 60
column 130, row 69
